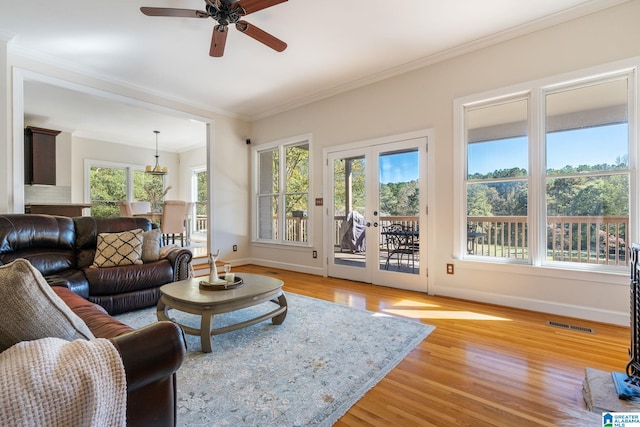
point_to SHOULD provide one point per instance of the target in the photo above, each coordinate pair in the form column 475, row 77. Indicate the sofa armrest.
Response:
column 179, row 259
column 151, row 353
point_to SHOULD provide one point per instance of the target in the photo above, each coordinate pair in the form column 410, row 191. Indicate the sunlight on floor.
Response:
column 422, row 310
column 441, row 314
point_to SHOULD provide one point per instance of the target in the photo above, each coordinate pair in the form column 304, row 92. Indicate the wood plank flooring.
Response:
column 484, row 365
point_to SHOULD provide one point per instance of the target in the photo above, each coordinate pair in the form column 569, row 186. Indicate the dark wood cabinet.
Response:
column 40, row 155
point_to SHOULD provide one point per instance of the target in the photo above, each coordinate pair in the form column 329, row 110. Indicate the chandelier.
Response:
column 157, row 169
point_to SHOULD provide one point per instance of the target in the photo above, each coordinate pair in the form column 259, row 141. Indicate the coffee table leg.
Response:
column 161, row 310
column 277, row 320
column 205, row 331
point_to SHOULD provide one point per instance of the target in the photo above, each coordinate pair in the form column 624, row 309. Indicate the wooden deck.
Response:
column 484, row 365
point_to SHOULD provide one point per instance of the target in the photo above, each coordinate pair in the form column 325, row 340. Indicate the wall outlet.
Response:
column 449, row 268
column 235, row 248
column 315, row 254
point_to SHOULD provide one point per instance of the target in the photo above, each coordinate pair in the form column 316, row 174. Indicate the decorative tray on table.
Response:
column 221, row 284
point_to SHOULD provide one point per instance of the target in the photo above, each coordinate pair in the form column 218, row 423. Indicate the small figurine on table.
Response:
column 213, row 270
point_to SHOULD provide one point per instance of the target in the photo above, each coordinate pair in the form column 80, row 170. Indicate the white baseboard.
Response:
column 317, row 271
column 553, row 308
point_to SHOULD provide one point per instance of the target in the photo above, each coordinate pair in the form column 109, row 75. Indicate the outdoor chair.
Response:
column 401, row 241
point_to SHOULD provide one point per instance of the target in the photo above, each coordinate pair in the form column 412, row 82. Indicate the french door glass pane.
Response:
column 349, row 205
column 399, row 202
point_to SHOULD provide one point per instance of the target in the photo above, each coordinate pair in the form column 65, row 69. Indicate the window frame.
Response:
column 536, row 92
column 280, row 146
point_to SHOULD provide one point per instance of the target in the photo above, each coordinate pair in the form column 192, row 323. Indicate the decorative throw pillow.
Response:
column 151, row 245
column 115, row 249
column 30, row 310
column 166, row 250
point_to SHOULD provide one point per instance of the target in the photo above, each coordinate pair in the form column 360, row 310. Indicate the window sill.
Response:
column 281, row 245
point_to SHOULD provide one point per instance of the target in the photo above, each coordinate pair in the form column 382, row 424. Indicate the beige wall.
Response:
column 423, row 99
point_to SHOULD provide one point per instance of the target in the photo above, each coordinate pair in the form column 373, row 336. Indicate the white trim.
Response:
column 18, row 141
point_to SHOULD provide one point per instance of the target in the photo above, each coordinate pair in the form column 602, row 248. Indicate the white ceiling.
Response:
column 333, row 45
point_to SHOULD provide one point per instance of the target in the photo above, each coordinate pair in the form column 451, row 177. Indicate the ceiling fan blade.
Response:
column 260, row 35
column 180, row 13
column 251, row 6
column 218, row 41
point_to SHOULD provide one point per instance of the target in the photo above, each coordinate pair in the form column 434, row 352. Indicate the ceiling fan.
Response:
column 226, row 12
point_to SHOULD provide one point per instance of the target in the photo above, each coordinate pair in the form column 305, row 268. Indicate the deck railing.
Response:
column 582, row 239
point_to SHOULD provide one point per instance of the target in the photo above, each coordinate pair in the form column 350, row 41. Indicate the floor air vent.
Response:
column 571, row 327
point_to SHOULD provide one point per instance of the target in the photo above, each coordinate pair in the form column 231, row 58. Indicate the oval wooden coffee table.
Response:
column 187, row 296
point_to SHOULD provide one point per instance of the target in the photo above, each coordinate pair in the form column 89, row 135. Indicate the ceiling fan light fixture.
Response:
column 156, row 169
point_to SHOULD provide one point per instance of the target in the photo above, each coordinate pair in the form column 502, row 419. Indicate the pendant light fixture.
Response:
column 157, row 169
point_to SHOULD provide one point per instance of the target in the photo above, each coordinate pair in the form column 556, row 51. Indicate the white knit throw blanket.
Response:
column 53, row 382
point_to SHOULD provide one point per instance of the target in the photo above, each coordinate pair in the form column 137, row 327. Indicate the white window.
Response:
column 282, row 192
column 497, row 179
column 108, row 183
column 547, row 177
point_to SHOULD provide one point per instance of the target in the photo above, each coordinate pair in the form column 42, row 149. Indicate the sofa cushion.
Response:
column 118, row 249
column 46, row 241
column 151, row 245
column 30, row 310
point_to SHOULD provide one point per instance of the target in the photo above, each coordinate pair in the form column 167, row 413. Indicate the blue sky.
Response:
column 576, row 147
column 398, row 167
column 588, row 146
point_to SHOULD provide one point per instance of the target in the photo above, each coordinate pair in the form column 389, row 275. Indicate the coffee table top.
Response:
column 189, row 290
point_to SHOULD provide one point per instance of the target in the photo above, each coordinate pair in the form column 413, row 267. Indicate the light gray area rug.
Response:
column 306, row 372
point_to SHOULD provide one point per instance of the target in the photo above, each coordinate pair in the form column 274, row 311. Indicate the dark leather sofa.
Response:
column 63, row 248
column 150, row 355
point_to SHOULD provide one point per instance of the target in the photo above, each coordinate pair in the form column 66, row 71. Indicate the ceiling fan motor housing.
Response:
column 225, row 14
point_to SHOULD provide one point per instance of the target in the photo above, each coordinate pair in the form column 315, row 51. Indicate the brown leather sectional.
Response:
column 62, row 249
column 150, row 355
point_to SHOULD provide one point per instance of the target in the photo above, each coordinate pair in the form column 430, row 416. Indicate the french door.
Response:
column 376, row 206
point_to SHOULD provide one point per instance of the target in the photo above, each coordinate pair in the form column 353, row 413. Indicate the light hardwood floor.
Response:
column 484, row 365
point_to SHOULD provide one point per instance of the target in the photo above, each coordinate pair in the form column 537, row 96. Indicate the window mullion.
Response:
column 537, row 194
column 282, row 191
